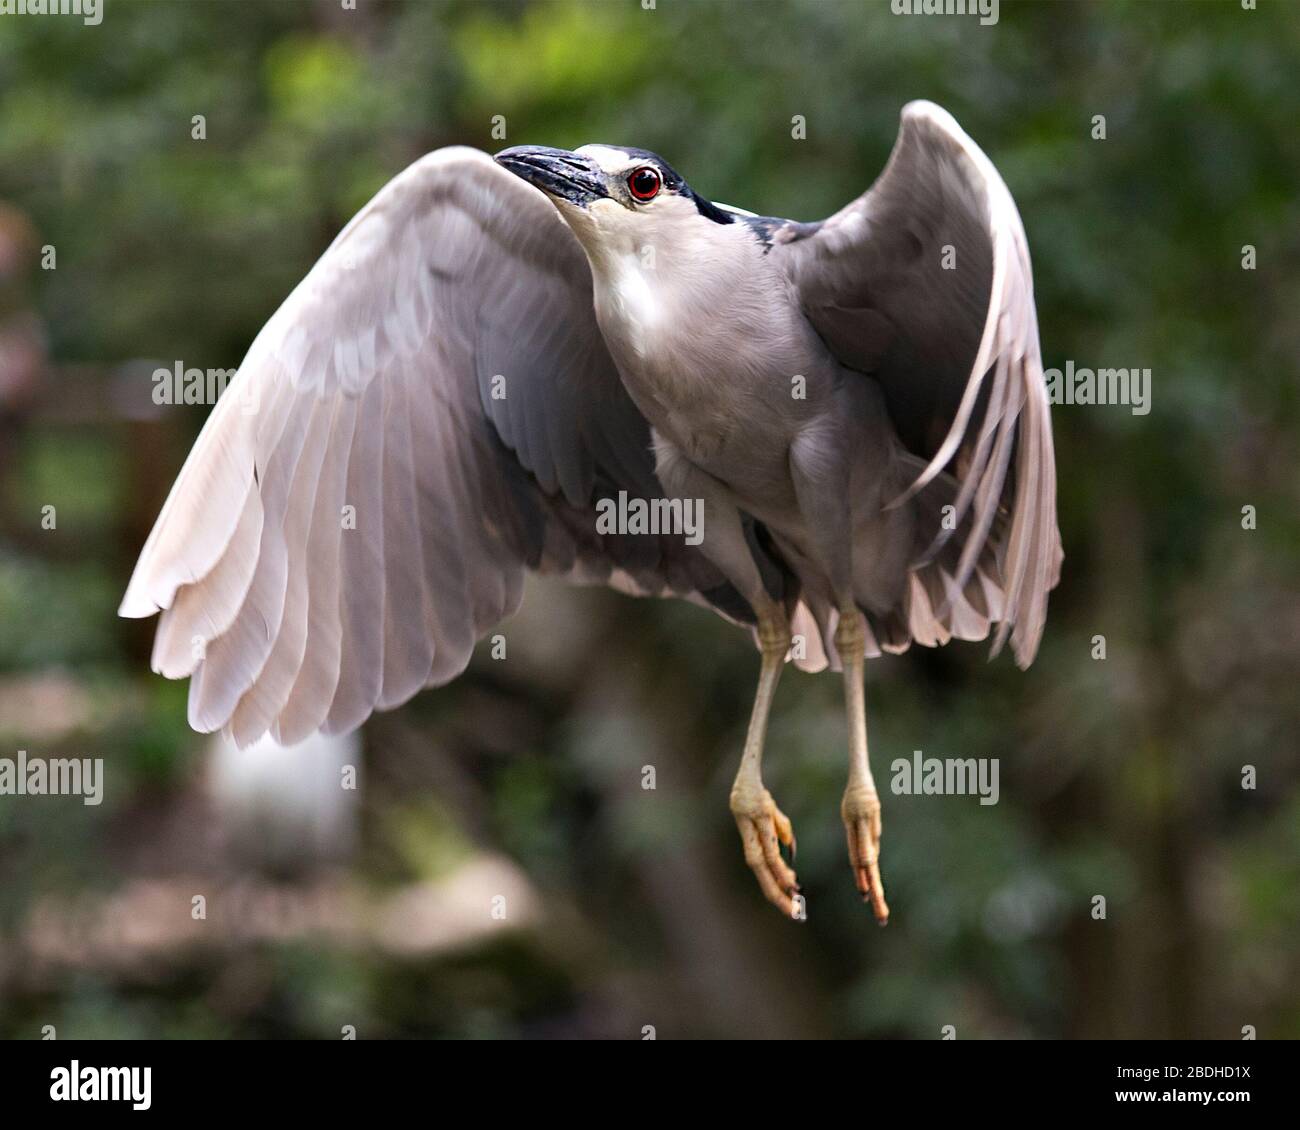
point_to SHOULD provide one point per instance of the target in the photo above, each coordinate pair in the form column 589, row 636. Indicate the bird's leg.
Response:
column 763, row 826
column 860, row 808
column 819, row 469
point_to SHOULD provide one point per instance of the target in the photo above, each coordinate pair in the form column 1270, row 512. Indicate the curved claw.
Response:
column 862, row 826
column 763, row 829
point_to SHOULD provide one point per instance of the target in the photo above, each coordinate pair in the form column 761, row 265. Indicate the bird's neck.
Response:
column 679, row 315
column 703, row 338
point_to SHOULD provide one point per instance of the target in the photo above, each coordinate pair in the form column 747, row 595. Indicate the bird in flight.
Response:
column 494, row 349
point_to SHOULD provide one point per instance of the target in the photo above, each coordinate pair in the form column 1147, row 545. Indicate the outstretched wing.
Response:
column 430, row 411
column 924, row 283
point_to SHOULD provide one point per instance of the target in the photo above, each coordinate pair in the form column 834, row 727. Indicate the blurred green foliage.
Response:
column 1120, row 777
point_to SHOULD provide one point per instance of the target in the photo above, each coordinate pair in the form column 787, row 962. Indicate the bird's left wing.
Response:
column 432, row 410
column 924, row 283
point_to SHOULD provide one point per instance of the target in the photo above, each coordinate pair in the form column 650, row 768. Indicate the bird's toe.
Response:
column 862, row 827
column 763, row 829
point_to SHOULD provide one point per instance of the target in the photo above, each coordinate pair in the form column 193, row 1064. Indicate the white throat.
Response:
column 655, row 271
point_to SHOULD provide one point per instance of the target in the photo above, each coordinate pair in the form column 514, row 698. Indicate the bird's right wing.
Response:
column 430, row 411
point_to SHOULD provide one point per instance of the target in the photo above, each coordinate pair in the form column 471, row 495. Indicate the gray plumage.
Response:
column 372, row 387
column 492, row 348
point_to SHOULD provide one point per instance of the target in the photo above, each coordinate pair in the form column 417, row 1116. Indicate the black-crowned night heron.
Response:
column 493, row 351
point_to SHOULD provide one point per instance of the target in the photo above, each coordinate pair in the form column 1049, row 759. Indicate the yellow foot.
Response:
column 763, row 828
column 860, row 812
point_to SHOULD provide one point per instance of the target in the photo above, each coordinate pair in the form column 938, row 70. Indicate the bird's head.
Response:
column 615, row 199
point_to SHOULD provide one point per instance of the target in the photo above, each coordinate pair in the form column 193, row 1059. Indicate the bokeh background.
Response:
column 626, row 907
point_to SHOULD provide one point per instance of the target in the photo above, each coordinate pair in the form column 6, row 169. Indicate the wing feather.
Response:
column 924, row 283
column 361, row 504
column 317, row 679
column 363, row 576
column 203, row 612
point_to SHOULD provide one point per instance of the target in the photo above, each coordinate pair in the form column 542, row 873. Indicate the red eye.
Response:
column 644, row 183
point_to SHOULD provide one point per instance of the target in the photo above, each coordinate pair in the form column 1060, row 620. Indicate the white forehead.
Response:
column 609, row 159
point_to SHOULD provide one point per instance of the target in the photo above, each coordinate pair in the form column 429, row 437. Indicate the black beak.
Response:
column 557, row 172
